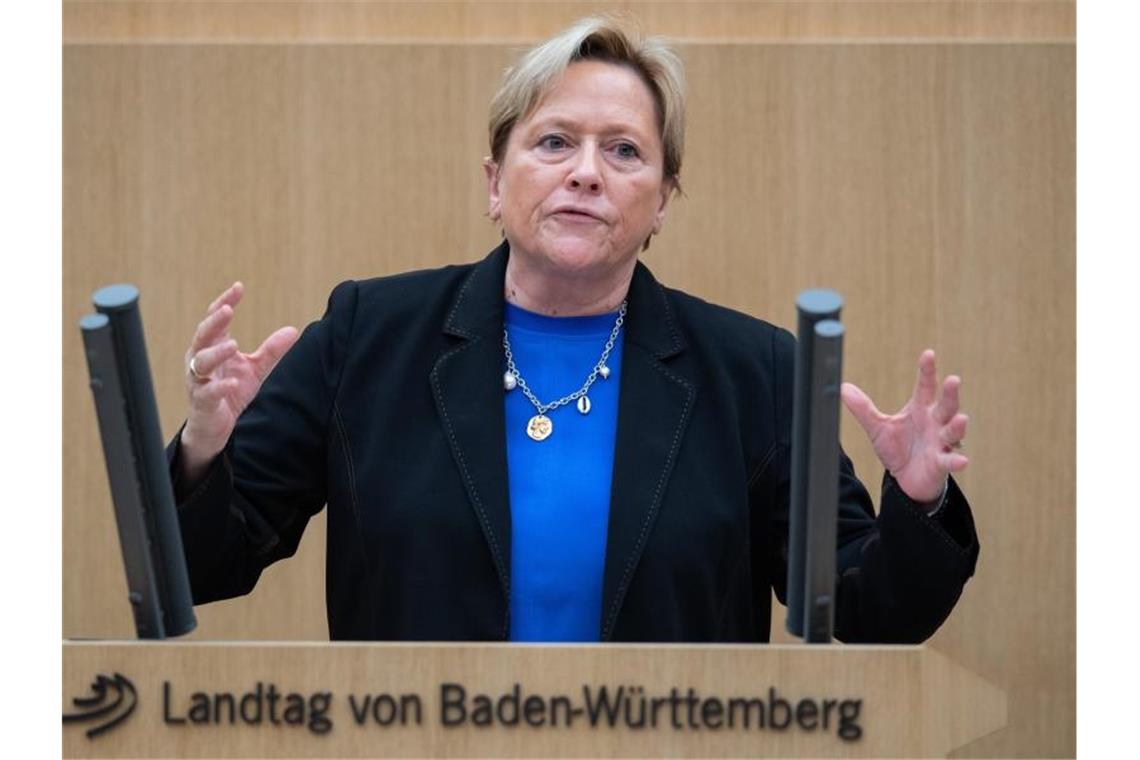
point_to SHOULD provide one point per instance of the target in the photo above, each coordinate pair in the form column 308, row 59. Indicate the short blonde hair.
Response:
column 597, row 38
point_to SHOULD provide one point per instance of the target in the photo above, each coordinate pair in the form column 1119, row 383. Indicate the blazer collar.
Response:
column 655, row 405
column 478, row 309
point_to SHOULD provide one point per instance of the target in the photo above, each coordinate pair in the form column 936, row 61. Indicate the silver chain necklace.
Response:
column 540, row 426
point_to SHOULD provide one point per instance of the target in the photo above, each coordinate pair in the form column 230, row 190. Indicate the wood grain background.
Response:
column 917, row 157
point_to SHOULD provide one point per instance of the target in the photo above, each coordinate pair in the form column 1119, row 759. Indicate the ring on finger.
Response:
column 193, row 370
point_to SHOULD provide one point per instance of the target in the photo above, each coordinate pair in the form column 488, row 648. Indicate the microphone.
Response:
column 814, row 497
column 149, row 536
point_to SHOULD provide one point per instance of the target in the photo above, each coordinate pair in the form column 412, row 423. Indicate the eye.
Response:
column 552, row 142
column 626, row 150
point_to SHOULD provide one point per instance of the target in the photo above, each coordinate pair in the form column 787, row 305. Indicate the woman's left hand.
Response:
column 920, row 444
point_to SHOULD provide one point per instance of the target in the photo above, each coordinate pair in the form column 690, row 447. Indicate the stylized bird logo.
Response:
column 112, row 698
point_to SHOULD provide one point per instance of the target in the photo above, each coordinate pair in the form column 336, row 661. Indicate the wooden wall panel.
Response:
column 933, row 184
column 90, row 20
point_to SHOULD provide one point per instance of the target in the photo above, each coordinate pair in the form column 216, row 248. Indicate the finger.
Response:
column 271, row 350
column 208, row 396
column 230, row 295
column 211, row 329
column 947, row 405
column 952, row 461
column 209, row 359
column 926, row 385
column 862, row 408
column 954, row 431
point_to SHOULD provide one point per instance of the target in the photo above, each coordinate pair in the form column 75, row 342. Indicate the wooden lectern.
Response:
column 265, row 699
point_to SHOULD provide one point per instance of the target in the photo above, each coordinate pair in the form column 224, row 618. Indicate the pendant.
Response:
column 509, row 381
column 584, row 404
column 604, row 371
column 540, row 427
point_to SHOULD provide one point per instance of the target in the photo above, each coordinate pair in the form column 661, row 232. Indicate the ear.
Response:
column 494, row 201
column 668, row 187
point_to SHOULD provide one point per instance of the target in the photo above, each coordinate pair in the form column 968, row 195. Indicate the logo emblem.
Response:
column 112, row 701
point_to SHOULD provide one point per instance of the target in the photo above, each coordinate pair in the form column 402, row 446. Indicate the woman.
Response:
column 548, row 444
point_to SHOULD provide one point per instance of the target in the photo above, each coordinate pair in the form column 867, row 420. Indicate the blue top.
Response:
column 560, row 487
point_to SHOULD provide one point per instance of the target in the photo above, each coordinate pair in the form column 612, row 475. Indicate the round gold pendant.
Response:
column 540, row 427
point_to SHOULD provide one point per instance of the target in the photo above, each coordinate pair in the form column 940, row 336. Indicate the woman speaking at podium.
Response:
column 549, row 444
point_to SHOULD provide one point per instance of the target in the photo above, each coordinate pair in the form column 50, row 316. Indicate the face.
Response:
column 580, row 187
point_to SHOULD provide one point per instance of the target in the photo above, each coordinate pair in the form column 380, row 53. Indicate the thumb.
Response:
column 271, row 350
column 862, row 408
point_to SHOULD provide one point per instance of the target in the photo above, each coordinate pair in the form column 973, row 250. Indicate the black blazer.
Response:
column 390, row 409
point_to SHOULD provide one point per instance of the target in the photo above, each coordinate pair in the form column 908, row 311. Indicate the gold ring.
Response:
column 194, row 372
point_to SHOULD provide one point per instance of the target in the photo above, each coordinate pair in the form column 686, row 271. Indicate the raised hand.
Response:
column 921, row 443
column 221, row 381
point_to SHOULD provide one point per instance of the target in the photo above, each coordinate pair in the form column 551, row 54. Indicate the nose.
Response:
column 585, row 173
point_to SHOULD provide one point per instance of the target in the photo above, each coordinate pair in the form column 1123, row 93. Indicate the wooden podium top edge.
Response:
column 836, row 647
column 78, row 41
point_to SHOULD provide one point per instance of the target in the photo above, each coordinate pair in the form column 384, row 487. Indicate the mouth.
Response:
column 575, row 214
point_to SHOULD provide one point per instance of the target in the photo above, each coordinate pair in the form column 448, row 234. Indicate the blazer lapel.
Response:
column 468, row 387
column 654, row 410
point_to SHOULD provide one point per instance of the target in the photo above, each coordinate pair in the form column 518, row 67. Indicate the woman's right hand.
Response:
column 221, row 381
